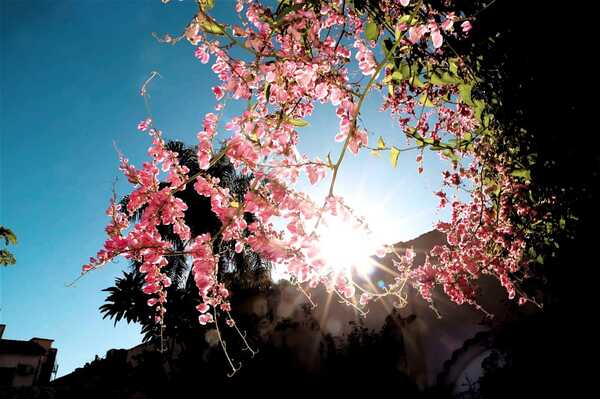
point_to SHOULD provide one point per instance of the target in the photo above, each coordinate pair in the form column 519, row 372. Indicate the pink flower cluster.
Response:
column 292, row 62
column 204, row 268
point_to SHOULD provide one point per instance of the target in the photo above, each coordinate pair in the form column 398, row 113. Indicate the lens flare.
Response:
column 347, row 248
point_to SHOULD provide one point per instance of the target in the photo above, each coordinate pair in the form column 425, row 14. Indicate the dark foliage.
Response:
column 531, row 57
column 363, row 362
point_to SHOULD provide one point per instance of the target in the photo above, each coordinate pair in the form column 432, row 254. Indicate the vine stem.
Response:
column 243, row 336
column 224, row 347
column 361, row 100
column 345, row 301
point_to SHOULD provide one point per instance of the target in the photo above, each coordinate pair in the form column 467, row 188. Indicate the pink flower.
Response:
column 364, row 299
column 321, row 92
column 466, row 26
column 415, row 33
column 404, row 2
column 315, row 173
column 205, row 319
column 365, row 58
column 348, row 291
column 202, row 54
column 152, row 301
column 150, row 288
column 335, row 96
column 143, row 125
column 448, row 23
column 305, row 76
column 203, row 308
column 343, row 51
column 218, row 92
column 436, row 35
column 239, row 247
column 226, row 307
column 270, row 76
column 359, row 139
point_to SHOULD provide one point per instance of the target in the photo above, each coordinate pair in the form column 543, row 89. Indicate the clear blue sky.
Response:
column 69, row 86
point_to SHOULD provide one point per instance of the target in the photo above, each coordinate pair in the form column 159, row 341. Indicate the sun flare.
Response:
column 346, row 248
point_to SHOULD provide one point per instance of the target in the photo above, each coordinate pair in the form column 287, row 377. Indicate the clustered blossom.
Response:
column 158, row 206
column 482, row 239
column 204, row 268
column 296, row 60
column 365, row 58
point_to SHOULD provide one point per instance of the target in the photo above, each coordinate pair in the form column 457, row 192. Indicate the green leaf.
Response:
column 394, row 153
column 402, row 72
column 478, row 108
column 532, row 158
column 450, row 154
column 268, row 92
column 407, row 19
column 465, row 93
column 408, row 71
column 487, row 120
column 453, row 66
column 298, row 122
column 415, row 81
column 451, row 78
column 522, row 173
column 380, row 143
column 444, row 79
column 436, row 79
column 212, row 27
column 540, row 259
column 397, row 76
column 372, row 31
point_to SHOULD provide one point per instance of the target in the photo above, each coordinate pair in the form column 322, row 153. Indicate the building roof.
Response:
column 21, row 347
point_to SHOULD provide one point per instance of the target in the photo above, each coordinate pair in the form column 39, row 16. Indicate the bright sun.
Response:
column 345, row 247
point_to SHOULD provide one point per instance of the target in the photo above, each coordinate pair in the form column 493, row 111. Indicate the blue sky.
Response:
column 70, row 74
